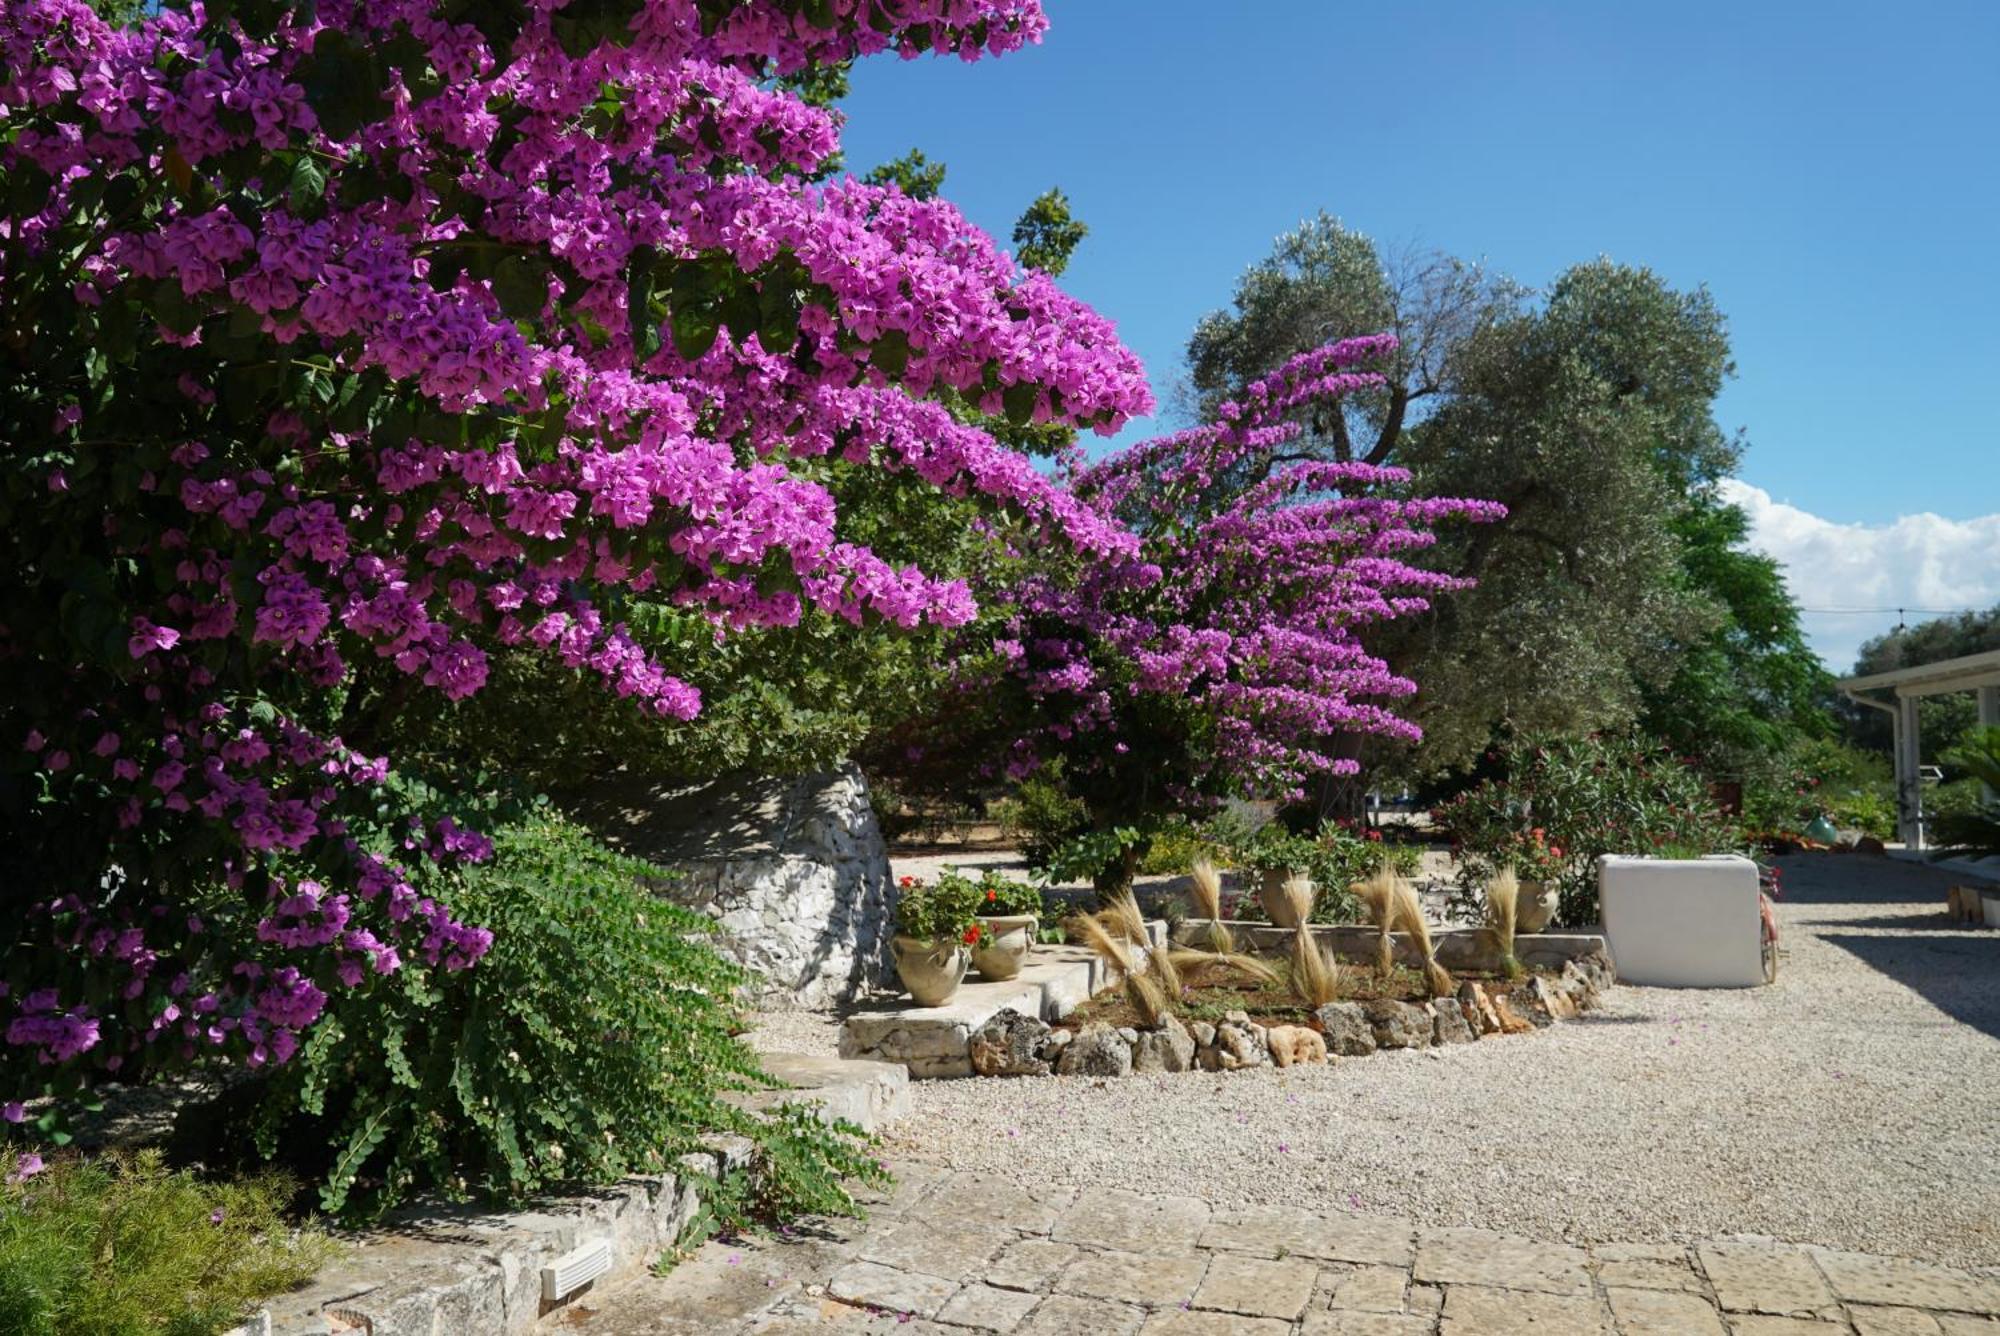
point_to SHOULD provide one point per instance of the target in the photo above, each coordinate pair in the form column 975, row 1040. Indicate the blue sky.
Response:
column 1827, row 169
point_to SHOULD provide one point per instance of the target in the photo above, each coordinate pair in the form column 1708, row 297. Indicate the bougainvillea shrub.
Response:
column 1227, row 656
column 345, row 345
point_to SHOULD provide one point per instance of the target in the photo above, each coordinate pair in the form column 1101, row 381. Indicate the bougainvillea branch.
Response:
column 374, row 336
column 1227, row 656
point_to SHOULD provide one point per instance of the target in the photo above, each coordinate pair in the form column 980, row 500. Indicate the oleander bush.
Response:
column 1565, row 802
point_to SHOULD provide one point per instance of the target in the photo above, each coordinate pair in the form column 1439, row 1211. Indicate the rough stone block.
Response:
column 1349, row 1032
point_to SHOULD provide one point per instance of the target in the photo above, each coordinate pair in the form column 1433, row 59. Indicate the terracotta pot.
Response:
column 1004, row 945
column 1271, row 895
column 1536, row 907
column 930, row 970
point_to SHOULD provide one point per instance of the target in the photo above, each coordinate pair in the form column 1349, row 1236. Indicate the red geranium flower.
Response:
column 972, row 935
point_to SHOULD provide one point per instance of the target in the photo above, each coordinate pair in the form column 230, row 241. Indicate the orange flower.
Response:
column 972, row 935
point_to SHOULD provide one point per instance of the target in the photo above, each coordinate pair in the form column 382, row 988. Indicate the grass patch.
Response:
column 120, row 1245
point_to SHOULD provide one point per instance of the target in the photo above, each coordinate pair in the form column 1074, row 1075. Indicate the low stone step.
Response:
column 866, row 1093
column 937, row 1041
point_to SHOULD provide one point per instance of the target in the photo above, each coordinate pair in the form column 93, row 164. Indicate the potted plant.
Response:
column 936, row 929
column 1278, row 857
column 1538, row 865
column 1009, row 916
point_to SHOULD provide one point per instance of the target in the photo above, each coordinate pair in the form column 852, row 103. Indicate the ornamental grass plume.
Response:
column 1377, row 894
column 1146, row 991
column 1297, row 891
column 1410, row 917
column 1503, row 903
column 1221, row 958
column 1210, row 968
column 1205, row 890
column 1121, row 913
column 1315, row 973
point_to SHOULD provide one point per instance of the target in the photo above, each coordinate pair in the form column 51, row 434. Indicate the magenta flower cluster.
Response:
column 545, row 328
column 1244, row 613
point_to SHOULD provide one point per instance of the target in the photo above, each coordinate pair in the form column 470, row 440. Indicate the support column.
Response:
column 1989, row 717
column 1909, row 773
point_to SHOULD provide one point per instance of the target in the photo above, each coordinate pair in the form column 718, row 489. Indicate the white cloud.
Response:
column 1918, row 561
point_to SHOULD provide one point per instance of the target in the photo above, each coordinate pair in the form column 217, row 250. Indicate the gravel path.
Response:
column 1856, row 1104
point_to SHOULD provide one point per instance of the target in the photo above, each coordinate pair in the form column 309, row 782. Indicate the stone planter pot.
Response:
column 1536, row 907
column 930, row 970
column 1004, row 945
column 1271, row 895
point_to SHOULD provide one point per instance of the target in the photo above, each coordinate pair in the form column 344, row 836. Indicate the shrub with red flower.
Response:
column 1563, row 803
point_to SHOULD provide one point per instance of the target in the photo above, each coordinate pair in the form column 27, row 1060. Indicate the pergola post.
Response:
column 1989, row 717
column 1909, row 773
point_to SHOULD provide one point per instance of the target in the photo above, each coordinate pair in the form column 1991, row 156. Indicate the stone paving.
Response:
column 942, row 1254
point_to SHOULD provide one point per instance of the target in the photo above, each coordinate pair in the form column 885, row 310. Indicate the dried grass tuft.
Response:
column 1377, row 894
column 1410, row 917
column 1121, row 914
column 1208, row 968
column 1150, row 990
column 1315, row 973
column 1297, row 891
column 1206, row 892
column 1090, row 929
column 1503, row 909
column 1148, row 998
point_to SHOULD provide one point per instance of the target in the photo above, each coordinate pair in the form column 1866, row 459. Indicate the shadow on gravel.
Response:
column 1956, row 972
column 1932, row 921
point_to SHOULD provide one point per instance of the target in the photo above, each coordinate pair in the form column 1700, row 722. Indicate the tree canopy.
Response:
column 1619, row 585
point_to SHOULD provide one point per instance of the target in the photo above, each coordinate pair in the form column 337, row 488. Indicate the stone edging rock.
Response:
column 1013, row 1044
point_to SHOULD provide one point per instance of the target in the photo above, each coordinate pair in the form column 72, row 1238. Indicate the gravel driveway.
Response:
column 1855, row 1104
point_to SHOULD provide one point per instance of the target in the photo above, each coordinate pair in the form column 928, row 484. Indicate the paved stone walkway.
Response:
column 944, row 1254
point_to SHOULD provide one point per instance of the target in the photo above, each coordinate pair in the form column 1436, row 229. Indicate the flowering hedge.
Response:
column 342, row 345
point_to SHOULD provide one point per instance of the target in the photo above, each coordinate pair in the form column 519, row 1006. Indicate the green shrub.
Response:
column 1580, row 798
column 122, row 1246
column 1047, row 817
column 1851, row 788
column 1964, row 820
column 596, row 1039
column 1178, row 842
column 1336, row 857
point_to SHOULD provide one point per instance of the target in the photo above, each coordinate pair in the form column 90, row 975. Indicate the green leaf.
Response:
column 1018, row 400
column 521, row 284
column 891, row 353
column 695, row 330
column 341, row 83
column 347, row 1167
column 644, row 329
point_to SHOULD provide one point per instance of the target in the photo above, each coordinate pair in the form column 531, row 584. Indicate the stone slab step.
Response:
column 936, row 1041
column 866, row 1093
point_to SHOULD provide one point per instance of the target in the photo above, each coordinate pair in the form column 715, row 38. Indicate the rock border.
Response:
column 1015, row 1044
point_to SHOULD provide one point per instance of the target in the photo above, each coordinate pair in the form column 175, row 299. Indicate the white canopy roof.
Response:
column 1930, row 679
column 1903, row 688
